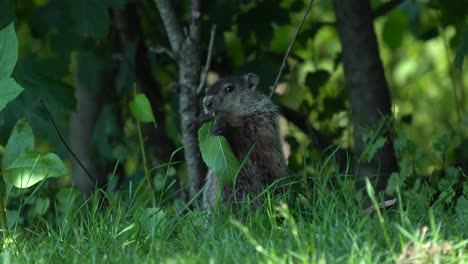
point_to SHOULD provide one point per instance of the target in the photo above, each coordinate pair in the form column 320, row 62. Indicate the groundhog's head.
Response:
column 231, row 95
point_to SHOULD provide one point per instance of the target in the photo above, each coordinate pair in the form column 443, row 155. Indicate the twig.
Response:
column 385, row 204
column 160, row 50
column 283, row 63
column 208, row 60
column 65, row 144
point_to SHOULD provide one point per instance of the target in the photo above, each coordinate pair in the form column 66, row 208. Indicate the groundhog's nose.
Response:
column 208, row 101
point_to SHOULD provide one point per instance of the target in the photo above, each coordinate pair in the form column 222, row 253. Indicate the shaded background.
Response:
column 83, row 57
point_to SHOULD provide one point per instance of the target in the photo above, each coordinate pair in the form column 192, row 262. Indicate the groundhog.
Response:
column 246, row 118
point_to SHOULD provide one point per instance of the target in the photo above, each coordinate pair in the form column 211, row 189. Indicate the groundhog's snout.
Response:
column 208, row 103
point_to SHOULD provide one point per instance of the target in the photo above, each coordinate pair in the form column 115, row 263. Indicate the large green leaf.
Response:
column 141, row 109
column 217, row 154
column 9, row 90
column 32, row 167
column 21, row 140
column 8, row 50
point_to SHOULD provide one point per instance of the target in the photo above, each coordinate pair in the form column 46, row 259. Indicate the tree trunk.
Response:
column 186, row 50
column 367, row 89
column 82, row 123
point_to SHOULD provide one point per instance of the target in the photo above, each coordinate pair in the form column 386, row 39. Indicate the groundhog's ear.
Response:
column 252, row 80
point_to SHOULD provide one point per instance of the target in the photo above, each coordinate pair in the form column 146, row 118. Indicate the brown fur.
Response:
column 244, row 116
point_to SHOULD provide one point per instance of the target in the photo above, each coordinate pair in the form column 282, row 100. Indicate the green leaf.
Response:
column 372, row 148
column 8, row 50
column 441, row 143
column 141, row 109
column 153, row 220
column 401, row 144
column 40, row 207
column 21, row 140
column 91, row 17
column 395, row 183
column 9, row 90
column 45, row 78
column 394, row 29
column 32, row 167
column 217, row 154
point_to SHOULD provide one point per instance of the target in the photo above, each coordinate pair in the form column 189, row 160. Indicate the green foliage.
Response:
column 309, row 230
column 217, row 154
column 21, row 166
column 102, row 45
column 394, row 29
column 141, row 109
column 374, row 141
column 8, row 50
column 90, row 17
column 21, row 140
column 89, row 65
column 444, row 187
column 9, row 90
column 33, row 167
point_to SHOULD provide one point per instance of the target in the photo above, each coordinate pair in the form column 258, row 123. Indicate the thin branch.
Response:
column 208, row 60
column 65, row 144
column 161, row 50
column 381, row 205
column 173, row 29
column 283, row 63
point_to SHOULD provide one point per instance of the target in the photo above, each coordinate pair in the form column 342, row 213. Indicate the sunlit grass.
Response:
column 321, row 225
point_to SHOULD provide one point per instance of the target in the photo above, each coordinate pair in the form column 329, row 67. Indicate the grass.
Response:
column 319, row 224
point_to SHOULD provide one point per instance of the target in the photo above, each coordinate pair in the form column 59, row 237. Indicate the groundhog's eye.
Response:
column 228, row 87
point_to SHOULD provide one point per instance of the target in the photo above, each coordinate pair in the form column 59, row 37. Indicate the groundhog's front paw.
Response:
column 217, row 130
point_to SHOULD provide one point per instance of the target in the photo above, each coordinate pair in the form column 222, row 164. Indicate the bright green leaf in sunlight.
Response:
column 141, row 109
column 32, row 167
column 9, row 90
column 217, row 154
column 8, row 51
column 21, row 140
